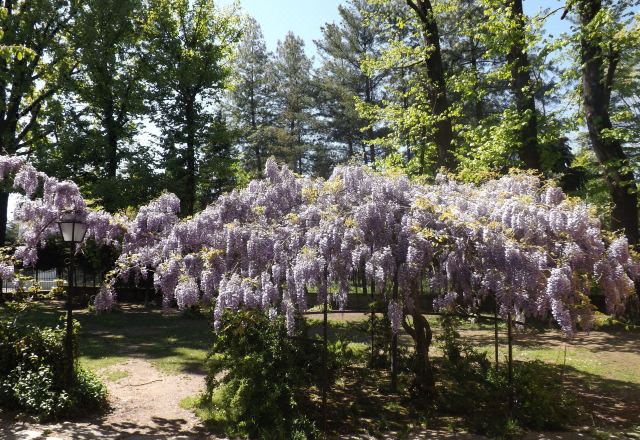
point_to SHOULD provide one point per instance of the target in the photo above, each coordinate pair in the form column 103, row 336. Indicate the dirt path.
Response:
column 144, row 405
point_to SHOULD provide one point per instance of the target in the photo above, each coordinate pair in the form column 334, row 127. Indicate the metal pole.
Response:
column 495, row 330
column 325, row 379
column 69, row 324
column 373, row 324
column 394, row 340
column 510, row 338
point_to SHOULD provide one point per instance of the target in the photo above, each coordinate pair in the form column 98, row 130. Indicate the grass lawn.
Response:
column 170, row 340
column 603, row 367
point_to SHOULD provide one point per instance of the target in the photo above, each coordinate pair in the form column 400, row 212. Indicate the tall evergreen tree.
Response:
column 293, row 101
column 189, row 45
column 343, row 48
column 252, row 96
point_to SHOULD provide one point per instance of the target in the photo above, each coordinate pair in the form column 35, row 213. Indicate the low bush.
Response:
column 474, row 389
column 32, row 372
column 258, row 378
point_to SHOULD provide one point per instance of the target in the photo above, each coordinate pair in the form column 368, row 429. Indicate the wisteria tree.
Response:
column 516, row 240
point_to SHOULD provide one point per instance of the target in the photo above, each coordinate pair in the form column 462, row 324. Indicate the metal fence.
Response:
column 46, row 279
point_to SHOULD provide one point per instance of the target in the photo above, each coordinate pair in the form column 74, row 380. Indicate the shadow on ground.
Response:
column 133, row 331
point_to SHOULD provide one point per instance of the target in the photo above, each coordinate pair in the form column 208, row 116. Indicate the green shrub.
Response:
column 258, row 378
column 540, row 400
column 32, row 372
column 33, row 391
column 472, row 388
column 88, row 394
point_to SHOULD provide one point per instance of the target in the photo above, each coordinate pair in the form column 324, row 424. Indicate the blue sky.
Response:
column 305, row 17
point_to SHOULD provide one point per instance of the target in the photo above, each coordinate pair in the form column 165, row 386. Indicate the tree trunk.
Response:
column 478, row 106
column 596, row 89
column 368, row 98
column 111, row 131
column 111, row 157
column 254, row 126
column 4, row 206
column 420, row 332
column 522, row 89
column 190, row 157
column 436, row 89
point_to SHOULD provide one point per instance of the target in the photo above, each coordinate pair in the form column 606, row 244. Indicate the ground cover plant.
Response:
column 32, row 362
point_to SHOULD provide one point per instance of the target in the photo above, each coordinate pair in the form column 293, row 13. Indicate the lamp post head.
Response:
column 72, row 227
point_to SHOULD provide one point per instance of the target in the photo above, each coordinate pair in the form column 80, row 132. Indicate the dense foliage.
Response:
column 471, row 388
column 532, row 248
column 258, row 378
column 515, row 240
column 32, row 371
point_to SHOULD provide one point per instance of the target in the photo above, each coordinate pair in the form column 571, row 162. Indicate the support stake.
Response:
column 394, row 340
column 495, row 330
column 510, row 338
column 325, row 379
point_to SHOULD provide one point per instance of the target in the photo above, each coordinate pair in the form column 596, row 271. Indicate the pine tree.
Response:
column 293, row 99
column 252, row 96
column 343, row 48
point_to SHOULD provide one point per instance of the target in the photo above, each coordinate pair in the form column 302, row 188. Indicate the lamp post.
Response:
column 72, row 230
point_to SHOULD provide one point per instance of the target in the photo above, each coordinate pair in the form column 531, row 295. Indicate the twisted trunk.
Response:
column 420, row 332
column 596, row 94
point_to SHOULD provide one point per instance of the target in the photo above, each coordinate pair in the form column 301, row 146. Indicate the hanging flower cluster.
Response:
column 267, row 245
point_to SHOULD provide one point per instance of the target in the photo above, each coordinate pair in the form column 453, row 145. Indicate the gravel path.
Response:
column 144, row 405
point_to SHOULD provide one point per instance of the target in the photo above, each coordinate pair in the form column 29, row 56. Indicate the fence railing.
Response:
column 46, row 279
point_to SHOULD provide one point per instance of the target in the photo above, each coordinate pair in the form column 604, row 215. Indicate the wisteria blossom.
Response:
column 516, row 239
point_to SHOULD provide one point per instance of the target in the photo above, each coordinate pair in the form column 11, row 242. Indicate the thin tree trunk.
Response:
column 436, row 90
column 522, row 88
column 394, row 340
column 111, row 156
column 254, row 126
column 478, row 106
column 4, row 206
column 190, row 157
column 596, row 92
column 111, row 130
column 368, row 98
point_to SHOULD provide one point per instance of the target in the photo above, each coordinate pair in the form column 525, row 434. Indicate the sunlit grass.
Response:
column 115, row 375
column 176, row 343
column 173, row 342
